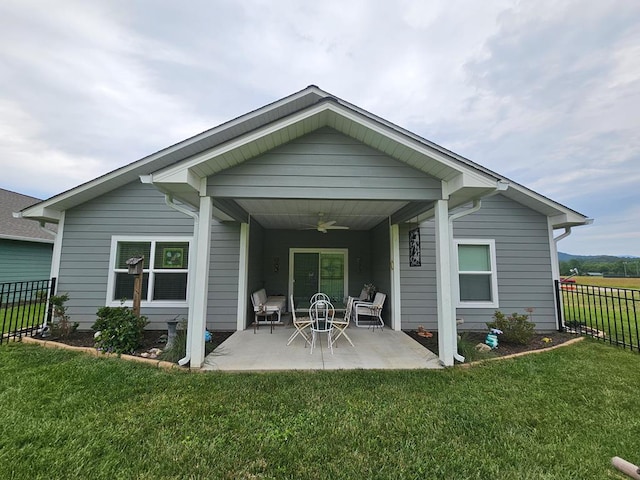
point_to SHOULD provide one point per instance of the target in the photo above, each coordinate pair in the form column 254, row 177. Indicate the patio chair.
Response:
column 371, row 309
column 341, row 324
column 300, row 324
column 319, row 296
column 321, row 314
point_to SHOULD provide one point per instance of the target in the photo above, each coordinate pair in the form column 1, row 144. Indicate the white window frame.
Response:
column 494, row 303
column 148, row 269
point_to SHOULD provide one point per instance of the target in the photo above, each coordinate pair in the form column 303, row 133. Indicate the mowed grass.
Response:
column 611, row 310
column 22, row 316
column 633, row 283
column 558, row 415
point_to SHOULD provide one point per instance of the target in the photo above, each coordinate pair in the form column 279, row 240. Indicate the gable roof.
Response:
column 279, row 122
column 18, row 228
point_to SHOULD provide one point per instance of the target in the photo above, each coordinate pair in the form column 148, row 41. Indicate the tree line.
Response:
column 621, row 267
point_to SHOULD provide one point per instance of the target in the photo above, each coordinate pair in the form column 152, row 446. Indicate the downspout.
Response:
column 474, row 208
column 567, row 232
column 168, row 200
column 45, row 229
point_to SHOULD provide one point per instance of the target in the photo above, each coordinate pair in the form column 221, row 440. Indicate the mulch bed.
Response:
column 153, row 339
column 150, row 339
column 503, row 349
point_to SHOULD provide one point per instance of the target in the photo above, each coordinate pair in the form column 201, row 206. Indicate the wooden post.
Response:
column 625, row 467
column 137, row 289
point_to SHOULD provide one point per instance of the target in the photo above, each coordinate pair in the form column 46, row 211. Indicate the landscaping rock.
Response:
column 483, row 348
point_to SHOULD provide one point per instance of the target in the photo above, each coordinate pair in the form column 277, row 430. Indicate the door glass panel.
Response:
column 332, row 277
column 305, row 278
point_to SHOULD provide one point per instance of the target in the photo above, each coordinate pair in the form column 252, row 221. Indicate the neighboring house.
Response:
column 25, row 247
column 235, row 208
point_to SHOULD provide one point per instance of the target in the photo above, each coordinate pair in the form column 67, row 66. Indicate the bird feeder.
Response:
column 135, row 265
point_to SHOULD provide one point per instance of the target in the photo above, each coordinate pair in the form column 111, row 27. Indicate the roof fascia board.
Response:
column 470, row 177
column 576, row 217
column 41, row 211
column 26, row 239
column 175, row 172
column 387, row 130
column 37, row 209
column 569, row 219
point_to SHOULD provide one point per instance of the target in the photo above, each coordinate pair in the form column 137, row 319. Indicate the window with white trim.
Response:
column 165, row 272
column 477, row 275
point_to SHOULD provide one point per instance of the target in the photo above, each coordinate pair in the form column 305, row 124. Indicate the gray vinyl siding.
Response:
column 135, row 209
column 324, row 164
column 523, row 263
column 224, row 264
column 24, row 261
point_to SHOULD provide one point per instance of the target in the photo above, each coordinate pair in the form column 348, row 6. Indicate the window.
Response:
column 477, row 280
column 165, row 273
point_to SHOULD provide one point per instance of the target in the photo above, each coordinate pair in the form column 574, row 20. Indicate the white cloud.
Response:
column 546, row 93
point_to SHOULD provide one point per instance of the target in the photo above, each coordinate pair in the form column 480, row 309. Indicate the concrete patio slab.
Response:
column 265, row 351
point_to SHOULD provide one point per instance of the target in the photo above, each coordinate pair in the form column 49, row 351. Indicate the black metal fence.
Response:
column 606, row 313
column 24, row 307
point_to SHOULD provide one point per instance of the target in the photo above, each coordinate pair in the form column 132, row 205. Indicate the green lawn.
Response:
column 561, row 414
column 614, row 312
column 23, row 316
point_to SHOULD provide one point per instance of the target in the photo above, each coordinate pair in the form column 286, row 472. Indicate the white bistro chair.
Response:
column 302, row 326
column 341, row 324
column 321, row 314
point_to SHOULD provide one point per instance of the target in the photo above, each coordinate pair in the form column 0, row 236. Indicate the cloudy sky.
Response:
column 546, row 93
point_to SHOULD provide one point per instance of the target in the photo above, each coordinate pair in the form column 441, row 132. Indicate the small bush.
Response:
column 119, row 330
column 516, row 329
column 61, row 325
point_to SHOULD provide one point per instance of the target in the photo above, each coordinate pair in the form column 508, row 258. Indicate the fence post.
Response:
column 52, row 291
column 559, row 312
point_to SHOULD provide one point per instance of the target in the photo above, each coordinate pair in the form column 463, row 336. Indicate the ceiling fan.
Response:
column 324, row 226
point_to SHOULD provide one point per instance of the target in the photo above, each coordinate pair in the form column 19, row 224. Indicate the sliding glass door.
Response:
column 315, row 270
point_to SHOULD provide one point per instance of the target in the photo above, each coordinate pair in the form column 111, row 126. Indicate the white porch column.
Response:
column 396, row 317
column 243, row 275
column 447, row 342
column 198, row 309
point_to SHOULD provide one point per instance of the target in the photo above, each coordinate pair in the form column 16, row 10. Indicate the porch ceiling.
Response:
column 297, row 214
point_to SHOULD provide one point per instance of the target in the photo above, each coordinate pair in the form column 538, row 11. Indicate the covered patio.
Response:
column 374, row 350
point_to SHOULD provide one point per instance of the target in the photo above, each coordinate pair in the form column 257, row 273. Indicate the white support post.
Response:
column 243, row 272
column 198, row 310
column 396, row 316
column 57, row 248
column 447, row 342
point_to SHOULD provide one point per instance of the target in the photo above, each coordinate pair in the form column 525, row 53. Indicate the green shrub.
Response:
column 118, row 329
column 61, row 325
column 515, row 328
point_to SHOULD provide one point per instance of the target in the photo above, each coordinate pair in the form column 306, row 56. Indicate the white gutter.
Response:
column 168, row 199
column 45, row 229
column 567, row 232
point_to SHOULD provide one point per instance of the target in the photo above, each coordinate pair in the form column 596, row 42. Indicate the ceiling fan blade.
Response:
column 326, row 224
column 336, row 227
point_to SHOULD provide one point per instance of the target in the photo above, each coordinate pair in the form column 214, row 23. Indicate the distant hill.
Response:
column 565, row 257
